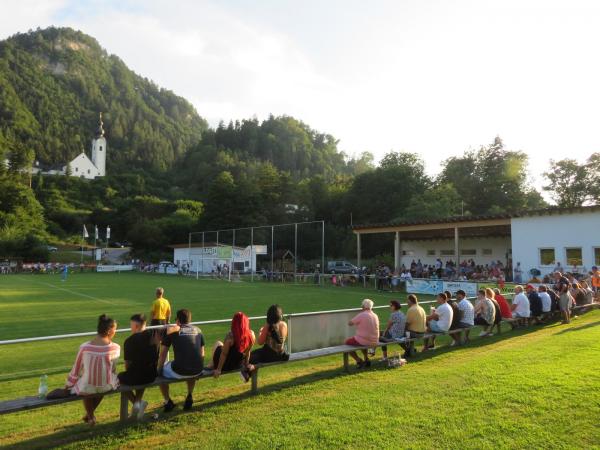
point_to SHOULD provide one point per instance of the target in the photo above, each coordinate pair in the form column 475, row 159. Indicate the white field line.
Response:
column 69, row 291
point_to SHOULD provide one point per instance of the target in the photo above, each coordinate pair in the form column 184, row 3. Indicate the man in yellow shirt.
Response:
column 161, row 309
column 415, row 324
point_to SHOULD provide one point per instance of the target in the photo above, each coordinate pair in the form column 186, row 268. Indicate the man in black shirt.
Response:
column 535, row 303
column 141, row 357
column 188, row 346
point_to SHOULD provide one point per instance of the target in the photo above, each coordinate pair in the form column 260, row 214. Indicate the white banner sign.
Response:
column 114, row 268
column 431, row 287
column 453, row 286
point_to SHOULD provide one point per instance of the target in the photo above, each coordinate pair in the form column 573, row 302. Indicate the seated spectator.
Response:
column 466, row 311
column 234, row 352
column 395, row 326
column 505, row 311
column 485, row 313
column 439, row 320
column 456, row 315
column 188, row 346
column 535, row 303
column 367, row 332
column 489, row 293
column 588, row 292
column 94, row 371
column 520, row 304
column 546, row 300
column 578, row 294
column 141, row 359
column 272, row 337
column 415, row 324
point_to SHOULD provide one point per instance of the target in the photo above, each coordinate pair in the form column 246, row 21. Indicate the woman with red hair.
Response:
column 234, row 352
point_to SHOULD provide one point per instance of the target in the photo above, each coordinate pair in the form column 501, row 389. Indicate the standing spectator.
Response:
column 520, row 304
column 141, row 359
column 505, row 311
column 467, row 315
column 562, row 287
column 595, row 277
column 395, row 326
column 161, row 309
column 367, row 332
column 415, row 323
column 439, row 320
column 94, row 371
column 518, row 274
column 188, row 346
column 484, row 313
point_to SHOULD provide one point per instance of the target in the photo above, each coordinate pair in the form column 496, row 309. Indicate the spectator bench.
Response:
column 33, row 402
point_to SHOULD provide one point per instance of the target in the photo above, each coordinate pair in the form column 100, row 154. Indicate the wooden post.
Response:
column 124, row 414
column 254, row 388
column 346, row 365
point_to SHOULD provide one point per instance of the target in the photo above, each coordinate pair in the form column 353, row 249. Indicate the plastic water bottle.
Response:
column 43, row 388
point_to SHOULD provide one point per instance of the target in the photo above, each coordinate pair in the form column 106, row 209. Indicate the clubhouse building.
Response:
column 537, row 239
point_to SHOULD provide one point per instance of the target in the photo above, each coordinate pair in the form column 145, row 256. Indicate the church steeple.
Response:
column 100, row 131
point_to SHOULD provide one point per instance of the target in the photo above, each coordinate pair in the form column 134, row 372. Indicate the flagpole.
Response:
column 82, row 238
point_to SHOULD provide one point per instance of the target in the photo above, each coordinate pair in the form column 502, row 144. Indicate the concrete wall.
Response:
column 499, row 247
column 530, row 234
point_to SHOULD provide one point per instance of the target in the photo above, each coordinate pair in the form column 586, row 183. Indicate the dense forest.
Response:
column 169, row 173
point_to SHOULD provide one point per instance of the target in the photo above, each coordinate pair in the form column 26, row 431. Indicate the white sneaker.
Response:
column 483, row 334
column 141, row 409
column 453, row 344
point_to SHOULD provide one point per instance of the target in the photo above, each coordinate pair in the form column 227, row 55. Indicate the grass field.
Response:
column 531, row 388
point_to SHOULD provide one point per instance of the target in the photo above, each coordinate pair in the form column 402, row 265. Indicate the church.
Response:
column 82, row 166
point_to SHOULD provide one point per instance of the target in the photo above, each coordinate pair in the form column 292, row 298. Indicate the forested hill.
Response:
column 53, row 83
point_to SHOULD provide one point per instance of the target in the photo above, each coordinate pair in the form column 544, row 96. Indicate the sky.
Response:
column 432, row 77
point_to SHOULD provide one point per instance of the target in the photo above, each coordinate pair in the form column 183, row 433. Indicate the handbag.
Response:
column 58, row 393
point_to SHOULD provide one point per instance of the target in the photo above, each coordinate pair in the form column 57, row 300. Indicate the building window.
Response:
column 88, row 170
column 408, row 253
column 547, row 256
column 76, row 169
column 468, row 252
column 430, row 252
column 597, row 256
column 486, row 251
column 574, row 257
column 100, row 148
column 446, row 252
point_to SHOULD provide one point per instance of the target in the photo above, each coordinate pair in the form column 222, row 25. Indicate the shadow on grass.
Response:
column 581, row 327
column 78, row 433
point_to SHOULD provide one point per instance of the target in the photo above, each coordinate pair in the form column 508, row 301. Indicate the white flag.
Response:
column 108, row 232
column 96, row 231
column 85, row 233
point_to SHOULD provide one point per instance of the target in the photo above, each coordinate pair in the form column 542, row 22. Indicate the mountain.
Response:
column 53, row 84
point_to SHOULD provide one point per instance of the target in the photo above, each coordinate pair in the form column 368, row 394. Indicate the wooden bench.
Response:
column 26, row 403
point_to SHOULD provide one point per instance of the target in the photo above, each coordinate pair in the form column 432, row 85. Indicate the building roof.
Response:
column 206, row 244
column 486, row 220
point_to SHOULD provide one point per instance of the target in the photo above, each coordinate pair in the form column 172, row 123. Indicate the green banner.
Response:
column 225, row 252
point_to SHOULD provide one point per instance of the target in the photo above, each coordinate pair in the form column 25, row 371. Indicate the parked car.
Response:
column 51, row 248
column 341, row 267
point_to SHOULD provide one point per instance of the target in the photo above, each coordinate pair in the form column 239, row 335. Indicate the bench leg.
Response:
column 124, row 413
column 254, row 386
column 346, row 365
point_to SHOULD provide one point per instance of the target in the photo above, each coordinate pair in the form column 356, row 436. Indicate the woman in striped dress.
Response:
column 94, row 371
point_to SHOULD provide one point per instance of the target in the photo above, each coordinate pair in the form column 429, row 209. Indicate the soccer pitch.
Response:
column 529, row 388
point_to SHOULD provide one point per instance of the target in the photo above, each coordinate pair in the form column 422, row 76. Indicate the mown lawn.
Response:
column 535, row 388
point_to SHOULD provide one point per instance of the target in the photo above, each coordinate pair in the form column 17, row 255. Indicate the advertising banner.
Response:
column 431, row 287
column 507, row 288
column 470, row 288
column 114, row 268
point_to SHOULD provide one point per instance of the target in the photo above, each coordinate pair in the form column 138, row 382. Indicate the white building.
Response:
column 537, row 239
column 82, row 166
column 205, row 259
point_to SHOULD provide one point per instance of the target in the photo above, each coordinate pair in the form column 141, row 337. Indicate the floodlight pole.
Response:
column 295, row 250
column 252, row 259
column 272, row 250
column 323, row 254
